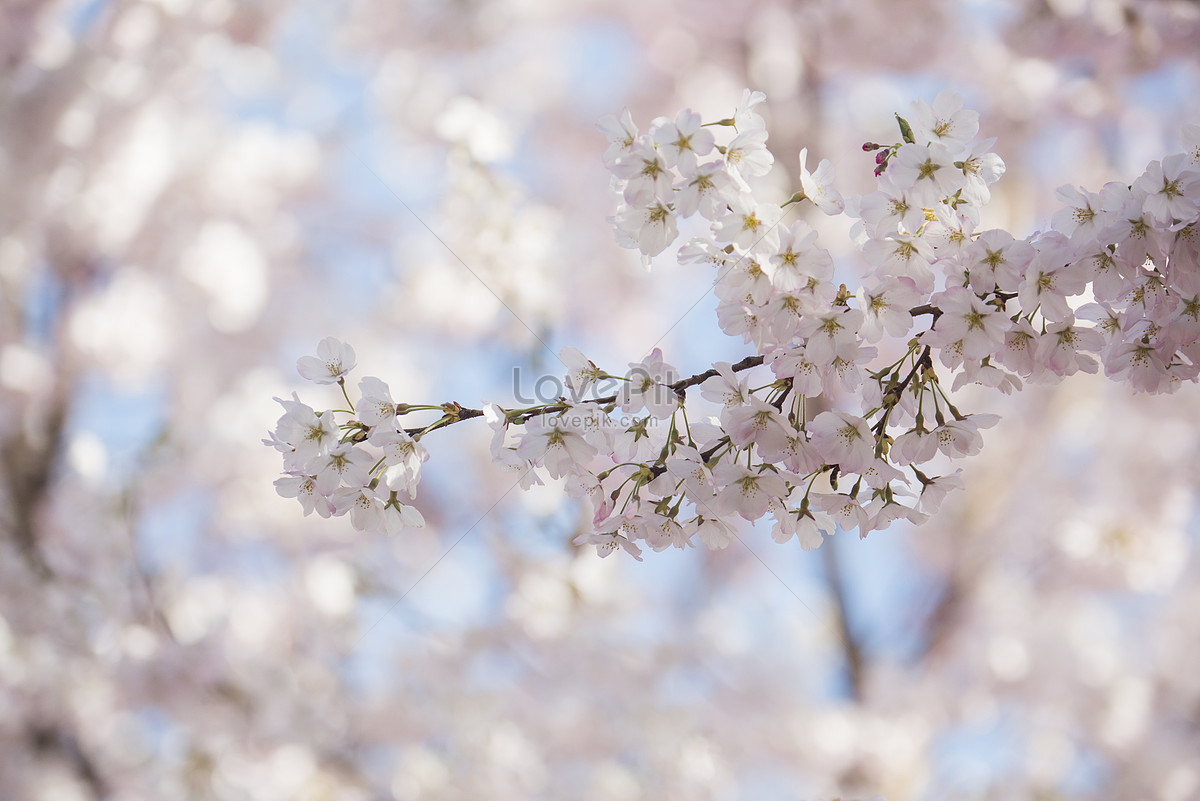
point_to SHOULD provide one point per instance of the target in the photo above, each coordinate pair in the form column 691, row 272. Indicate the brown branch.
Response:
column 939, row 624
column 456, row 413
column 54, row 740
column 28, row 459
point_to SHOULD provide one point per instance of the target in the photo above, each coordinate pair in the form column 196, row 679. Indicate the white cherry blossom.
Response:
column 333, row 360
column 682, row 140
column 944, row 121
column 818, row 186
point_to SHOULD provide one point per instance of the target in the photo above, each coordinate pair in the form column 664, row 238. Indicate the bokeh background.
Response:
column 194, row 192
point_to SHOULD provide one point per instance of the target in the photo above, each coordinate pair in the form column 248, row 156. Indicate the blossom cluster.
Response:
column 853, row 427
column 329, row 467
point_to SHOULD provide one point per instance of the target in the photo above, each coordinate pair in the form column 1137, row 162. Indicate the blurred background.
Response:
column 194, row 192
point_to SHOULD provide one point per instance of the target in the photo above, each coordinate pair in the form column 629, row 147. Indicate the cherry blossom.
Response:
column 843, row 439
column 375, row 406
column 197, row 193
column 581, row 371
column 621, row 133
column 818, row 186
column 967, row 328
column 301, row 434
column 1000, row 310
column 746, row 492
column 682, row 141
column 944, row 121
column 305, row 489
column 747, row 155
column 557, row 441
column 648, row 387
column 403, row 457
column 926, row 172
column 333, row 360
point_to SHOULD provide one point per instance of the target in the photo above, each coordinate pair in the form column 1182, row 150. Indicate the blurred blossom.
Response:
column 191, row 205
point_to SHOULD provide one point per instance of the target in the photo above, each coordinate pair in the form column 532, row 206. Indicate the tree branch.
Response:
column 851, row 649
column 456, row 413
